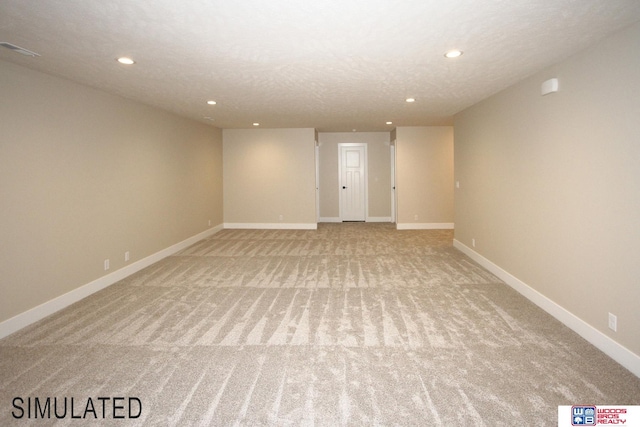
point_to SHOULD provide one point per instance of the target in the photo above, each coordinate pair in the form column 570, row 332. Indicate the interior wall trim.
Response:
column 610, row 347
column 369, row 219
column 425, row 226
column 330, row 219
column 271, row 225
column 54, row 305
column 379, row 219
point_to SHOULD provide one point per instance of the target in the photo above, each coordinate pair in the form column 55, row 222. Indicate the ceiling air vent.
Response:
column 18, row 49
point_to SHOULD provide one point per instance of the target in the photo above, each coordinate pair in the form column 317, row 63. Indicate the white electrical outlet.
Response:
column 106, row 264
column 613, row 322
column 280, row 217
column 415, row 217
column 457, row 184
column 126, row 256
column 473, row 242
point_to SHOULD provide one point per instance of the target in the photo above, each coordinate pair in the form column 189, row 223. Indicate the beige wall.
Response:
column 268, row 173
column 550, row 186
column 378, row 174
column 86, row 176
column 424, row 176
column 328, row 179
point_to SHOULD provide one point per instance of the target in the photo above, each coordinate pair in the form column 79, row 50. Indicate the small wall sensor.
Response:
column 549, row 86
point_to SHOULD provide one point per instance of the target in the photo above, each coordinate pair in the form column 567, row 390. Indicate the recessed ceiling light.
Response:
column 126, row 61
column 256, row 124
column 389, row 123
column 211, row 102
column 453, row 53
column 410, row 100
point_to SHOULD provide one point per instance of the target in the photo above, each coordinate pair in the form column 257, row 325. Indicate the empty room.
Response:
column 321, row 213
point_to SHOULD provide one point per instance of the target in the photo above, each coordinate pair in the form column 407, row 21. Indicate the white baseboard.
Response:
column 271, row 226
column 379, row 219
column 369, row 219
column 28, row 317
column 610, row 347
column 329, row 219
column 425, row 226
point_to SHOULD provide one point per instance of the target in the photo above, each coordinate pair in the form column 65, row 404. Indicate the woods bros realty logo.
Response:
column 592, row 415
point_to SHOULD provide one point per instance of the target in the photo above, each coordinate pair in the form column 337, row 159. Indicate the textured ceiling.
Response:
column 329, row 64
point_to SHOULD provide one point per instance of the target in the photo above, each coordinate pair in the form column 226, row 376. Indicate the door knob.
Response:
column 343, row 187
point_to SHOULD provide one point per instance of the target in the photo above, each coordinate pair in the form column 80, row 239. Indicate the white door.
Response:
column 352, row 167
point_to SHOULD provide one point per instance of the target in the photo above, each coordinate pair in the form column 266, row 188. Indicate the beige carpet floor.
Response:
column 352, row 324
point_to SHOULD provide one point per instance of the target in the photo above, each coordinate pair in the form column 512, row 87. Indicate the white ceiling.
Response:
column 335, row 65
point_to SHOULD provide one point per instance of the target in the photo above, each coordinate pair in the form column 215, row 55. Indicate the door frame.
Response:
column 366, row 177
column 317, row 161
column 394, row 203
